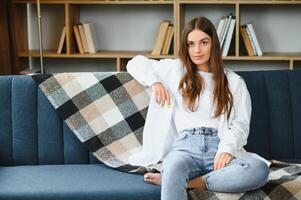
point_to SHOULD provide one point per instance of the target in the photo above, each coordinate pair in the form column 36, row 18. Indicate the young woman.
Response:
column 211, row 113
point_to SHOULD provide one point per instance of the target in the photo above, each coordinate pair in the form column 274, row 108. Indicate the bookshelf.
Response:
column 128, row 36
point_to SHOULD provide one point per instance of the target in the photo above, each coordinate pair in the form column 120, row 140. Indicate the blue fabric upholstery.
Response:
column 34, row 142
column 76, row 182
column 275, row 125
column 30, row 130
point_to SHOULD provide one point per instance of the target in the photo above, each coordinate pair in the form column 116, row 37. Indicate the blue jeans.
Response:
column 192, row 155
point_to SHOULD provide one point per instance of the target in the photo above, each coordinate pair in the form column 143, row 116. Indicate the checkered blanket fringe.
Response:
column 284, row 184
column 106, row 111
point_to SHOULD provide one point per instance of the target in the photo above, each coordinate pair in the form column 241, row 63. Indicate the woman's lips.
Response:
column 198, row 57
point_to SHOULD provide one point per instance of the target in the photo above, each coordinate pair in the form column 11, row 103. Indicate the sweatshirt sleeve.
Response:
column 237, row 133
column 149, row 71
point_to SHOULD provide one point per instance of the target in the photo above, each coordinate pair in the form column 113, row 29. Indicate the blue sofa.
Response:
column 41, row 159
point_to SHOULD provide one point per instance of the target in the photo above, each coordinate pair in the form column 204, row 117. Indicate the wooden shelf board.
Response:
column 100, row 54
column 41, row 1
column 120, row 2
column 99, row 1
column 131, row 54
column 269, row 2
column 256, row 2
column 171, row 2
column 207, row 2
column 268, row 57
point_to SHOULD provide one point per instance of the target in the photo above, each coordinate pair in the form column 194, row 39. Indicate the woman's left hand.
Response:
column 221, row 160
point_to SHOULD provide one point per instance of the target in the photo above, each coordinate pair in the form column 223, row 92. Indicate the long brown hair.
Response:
column 191, row 84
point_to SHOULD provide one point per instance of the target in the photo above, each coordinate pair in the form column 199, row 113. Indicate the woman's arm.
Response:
column 237, row 133
column 141, row 68
column 154, row 74
column 149, row 71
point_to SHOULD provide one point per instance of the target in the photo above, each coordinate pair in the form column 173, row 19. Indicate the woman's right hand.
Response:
column 162, row 94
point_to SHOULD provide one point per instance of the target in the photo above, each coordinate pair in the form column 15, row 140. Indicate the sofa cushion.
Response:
column 73, row 182
column 275, row 123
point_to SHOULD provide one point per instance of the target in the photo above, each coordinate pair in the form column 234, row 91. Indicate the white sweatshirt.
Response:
column 203, row 116
column 160, row 130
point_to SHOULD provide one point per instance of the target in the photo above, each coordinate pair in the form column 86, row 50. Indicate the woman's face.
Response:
column 199, row 48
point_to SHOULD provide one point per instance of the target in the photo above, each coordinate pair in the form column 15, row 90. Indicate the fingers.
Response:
column 221, row 160
column 162, row 94
column 216, row 161
column 166, row 97
column 221, row 164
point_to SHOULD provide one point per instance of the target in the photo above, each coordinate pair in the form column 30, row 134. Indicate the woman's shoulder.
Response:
column 234, row 79
column 175, row 61
column 165, row 65
column 231, row 75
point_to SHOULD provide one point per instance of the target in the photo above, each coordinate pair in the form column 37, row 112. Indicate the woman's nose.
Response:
column 197, row 49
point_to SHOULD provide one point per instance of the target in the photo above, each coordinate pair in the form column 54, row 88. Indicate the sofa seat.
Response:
column 94, row 181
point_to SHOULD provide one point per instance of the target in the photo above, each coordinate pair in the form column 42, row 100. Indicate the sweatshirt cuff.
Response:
column 226, row 149
column 151, row 79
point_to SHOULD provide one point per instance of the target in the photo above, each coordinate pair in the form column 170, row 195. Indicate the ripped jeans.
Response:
column 192, row 155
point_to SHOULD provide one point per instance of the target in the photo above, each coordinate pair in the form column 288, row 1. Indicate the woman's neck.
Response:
column 204, row 68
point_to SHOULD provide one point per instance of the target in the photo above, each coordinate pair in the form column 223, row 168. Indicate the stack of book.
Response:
column 225, row 31
column 164, row 40
column 85, row 36
column 250, row 40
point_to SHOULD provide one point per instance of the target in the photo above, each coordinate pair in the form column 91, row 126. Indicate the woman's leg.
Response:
column 155, row 178
column 239, row 176
column 177, row 169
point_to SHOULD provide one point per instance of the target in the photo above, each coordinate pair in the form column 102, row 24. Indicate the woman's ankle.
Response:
column 198, row 182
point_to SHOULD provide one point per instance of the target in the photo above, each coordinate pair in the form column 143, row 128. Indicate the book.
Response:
column 225, row 29
column 228, row 38
column 254, row 38
column 78, row 39
column 62, row 41
column 157, row 50
column 83, row 38
column 251, row 40
column 91, row 36
column 219, row 30
column 168, row 40
column 246, row 40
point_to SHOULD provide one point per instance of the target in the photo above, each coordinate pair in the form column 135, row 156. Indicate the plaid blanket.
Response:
column 284, row 184
column 106, row 111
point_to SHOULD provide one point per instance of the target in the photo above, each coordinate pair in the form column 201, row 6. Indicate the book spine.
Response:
column 88, row 34
column 62, row 41
column 83, row 38
column 251, row 40
column 228, row 38
column 78, row 40
column 225, row 30
column 220, row 28
column 256, row 43
column 246, row 40
column 157, row 50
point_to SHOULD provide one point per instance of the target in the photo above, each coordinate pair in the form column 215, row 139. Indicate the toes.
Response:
column 147, row 176
column 153, row 178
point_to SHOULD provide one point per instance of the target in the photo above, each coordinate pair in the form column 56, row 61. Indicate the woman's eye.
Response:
column 204, row 43
column 190, row 44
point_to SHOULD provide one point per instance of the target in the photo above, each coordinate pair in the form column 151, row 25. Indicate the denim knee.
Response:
column 239, row 176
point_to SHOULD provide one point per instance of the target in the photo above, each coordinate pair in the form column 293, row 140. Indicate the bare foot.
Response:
column 153, row 178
